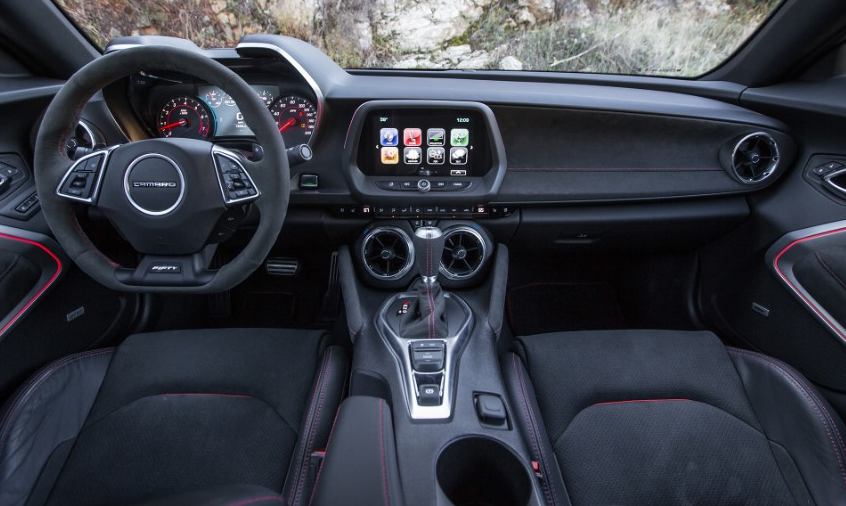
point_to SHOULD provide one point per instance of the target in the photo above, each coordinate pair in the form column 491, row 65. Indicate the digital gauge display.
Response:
column 228, row 117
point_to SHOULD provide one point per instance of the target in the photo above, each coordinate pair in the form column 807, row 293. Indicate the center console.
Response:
column 424, row 292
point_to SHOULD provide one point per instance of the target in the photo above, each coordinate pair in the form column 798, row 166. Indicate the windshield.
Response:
column 679, row 38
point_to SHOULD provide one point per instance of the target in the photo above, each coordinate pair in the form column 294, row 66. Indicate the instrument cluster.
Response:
column 211, row 113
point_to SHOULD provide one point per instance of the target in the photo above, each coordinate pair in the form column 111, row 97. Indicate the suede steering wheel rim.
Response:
column 271, row 175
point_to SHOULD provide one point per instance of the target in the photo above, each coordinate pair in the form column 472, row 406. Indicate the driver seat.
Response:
column 173, row 412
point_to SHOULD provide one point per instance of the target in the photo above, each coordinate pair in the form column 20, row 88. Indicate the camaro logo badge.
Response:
column 153, row 184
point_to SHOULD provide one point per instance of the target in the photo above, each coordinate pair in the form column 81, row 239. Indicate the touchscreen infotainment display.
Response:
column 420, row 142
column 228, row 118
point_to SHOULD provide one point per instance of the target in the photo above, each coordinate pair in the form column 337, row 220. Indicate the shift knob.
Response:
column 428, row 248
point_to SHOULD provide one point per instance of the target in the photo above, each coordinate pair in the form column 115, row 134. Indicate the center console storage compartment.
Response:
column 480, row 471
column 360, row 466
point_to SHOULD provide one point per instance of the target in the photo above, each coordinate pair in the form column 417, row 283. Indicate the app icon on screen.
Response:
column 459, row 137
column 435, row 136
column 390, row 156
column 412, row 137
column 389, row 136
column 435, row 156
column 458, row 156
column 413, row 155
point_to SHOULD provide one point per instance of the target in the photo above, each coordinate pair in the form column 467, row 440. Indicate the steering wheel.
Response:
column 168, row 197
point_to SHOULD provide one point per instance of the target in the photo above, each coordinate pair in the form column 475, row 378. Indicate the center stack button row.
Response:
column 423, row 185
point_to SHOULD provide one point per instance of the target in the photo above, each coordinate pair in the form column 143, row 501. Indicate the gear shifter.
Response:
column 425, row 318
column 428, row 247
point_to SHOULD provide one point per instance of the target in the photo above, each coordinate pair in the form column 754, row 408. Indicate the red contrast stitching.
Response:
column 541, row 455
column 382, row 449
column 808, row 394
column 36, row 382
column 635, row 401
column 306, row 450
column 201, row 394
column 258, row 499
column 431, row 317
column 319, row 471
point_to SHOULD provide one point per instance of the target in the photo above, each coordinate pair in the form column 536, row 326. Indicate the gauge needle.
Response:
column 178, row 123
column 287, row 124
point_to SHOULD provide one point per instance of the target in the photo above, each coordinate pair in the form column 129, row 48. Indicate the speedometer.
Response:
column 185, row 117
column 296, row 118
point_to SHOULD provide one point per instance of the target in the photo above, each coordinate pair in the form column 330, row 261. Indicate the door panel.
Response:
column 30, row 263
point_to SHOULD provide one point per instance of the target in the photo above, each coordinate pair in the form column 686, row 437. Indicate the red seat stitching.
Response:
column 814, row 403
column 323, row 376
column 258, row 499
column 541, row 455
column 382, row 449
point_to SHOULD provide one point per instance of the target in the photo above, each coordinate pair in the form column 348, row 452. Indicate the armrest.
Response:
column 360, row 466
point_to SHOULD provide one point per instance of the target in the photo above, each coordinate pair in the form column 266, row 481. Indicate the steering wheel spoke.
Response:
column 170, row 270
column 82, row 181
column 236, row 185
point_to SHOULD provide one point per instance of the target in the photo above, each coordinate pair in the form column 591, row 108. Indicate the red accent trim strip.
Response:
column 41, row 291
column 639, row 401
column 258, row 499
column 202, row 394
column 793, row 287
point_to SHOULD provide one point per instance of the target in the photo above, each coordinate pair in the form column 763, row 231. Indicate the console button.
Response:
column 408, row 185
column 826, row 168
column 490, row 409
column 427, row 356
column 389, row 185
column 309, row 181
column 457, row 185
column 424, row 185
column 429, row 395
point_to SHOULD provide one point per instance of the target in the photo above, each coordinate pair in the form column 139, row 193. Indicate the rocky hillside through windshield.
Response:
column 653, row 37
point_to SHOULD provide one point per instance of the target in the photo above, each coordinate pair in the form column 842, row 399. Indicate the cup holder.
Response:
column 478, row 471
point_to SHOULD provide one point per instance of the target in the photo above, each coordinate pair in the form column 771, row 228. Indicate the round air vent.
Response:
column 387, row 253
column 464, row 253
column 754, row 158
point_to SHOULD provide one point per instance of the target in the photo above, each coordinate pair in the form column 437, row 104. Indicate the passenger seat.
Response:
column 648, row 417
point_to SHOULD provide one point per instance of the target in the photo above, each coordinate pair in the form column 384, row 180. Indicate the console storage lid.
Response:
column 360, row 466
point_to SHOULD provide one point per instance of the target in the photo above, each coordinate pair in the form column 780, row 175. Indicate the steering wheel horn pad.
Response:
column 162, row 195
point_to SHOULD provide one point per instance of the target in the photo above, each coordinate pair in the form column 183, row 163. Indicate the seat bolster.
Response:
column 796, row 417
column 47, row 410
column 326, row 394
column 527, row 418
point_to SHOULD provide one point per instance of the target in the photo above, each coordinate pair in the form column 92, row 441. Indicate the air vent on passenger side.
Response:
column 464, row 253
column 754, row 158
column 387, row 253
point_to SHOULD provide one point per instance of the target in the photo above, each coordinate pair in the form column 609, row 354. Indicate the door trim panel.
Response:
column 43, row 252
column 782, row 256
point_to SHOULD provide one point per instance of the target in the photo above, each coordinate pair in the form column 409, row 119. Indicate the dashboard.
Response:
column 449, row 145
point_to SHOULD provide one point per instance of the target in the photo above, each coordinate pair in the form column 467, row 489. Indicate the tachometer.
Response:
column 296, row 118
column 185, row 117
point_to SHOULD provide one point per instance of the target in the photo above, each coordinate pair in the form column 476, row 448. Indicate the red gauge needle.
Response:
column 287, row 124
column 178, row 123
